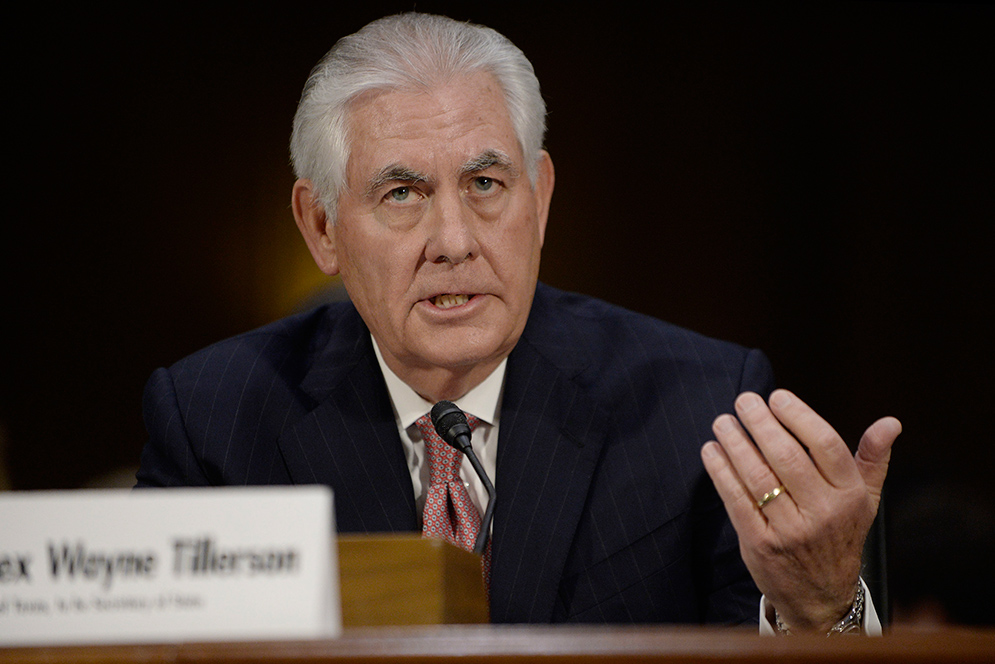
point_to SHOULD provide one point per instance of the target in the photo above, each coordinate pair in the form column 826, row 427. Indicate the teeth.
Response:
column 450, row 300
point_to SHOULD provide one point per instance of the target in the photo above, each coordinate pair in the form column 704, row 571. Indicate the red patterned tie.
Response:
column 447, row 497
column 445, row 488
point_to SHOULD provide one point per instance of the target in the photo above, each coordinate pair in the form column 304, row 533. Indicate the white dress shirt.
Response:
column 483, row 402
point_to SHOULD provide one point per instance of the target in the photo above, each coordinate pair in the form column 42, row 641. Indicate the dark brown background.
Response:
column 813, row 180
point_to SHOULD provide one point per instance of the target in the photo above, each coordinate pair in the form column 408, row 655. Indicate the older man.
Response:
column 423, row 183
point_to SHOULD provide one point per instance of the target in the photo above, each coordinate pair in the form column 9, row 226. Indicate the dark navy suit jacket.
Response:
column 604, row 511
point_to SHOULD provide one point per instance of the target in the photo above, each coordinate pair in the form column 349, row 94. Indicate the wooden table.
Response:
column 471, row 644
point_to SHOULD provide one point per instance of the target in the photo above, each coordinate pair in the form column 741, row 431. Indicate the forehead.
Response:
column 453, row 122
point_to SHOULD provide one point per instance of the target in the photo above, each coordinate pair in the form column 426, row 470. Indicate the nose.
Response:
column 451, row 235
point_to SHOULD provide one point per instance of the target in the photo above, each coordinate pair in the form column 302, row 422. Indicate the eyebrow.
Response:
column 400, row 173
column 489, row 159
column 394, row 173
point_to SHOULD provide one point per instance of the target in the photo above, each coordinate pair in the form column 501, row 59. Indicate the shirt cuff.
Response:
column 871, row 624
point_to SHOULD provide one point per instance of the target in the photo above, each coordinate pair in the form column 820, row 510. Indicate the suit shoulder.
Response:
column 284, row 348
column 607, row 330
column 611, row 350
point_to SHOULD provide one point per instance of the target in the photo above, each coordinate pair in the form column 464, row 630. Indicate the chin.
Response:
column 462, row 353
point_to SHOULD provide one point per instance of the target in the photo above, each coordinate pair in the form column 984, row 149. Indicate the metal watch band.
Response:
column 849, row 624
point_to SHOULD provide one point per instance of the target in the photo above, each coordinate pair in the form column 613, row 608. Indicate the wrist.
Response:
column 850, row 623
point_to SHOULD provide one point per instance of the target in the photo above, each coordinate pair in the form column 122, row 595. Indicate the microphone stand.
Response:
column 485, row 522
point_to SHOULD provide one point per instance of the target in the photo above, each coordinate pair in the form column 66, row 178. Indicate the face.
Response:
column 439, row 229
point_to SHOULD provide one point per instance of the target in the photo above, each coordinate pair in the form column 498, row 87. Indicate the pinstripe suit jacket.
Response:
column 604, row 511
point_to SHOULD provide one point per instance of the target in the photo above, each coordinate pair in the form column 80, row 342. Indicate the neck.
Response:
column 436, row 383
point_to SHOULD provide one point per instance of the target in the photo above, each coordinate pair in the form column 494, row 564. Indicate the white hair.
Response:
column 406, row 52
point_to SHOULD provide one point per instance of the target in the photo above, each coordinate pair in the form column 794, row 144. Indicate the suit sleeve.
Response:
column 758, row 376
column 168, row 458
column 731, row 594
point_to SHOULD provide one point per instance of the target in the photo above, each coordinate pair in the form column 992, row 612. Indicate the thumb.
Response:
column 874, row 452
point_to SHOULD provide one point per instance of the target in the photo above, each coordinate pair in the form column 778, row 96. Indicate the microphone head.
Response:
column 450, row 423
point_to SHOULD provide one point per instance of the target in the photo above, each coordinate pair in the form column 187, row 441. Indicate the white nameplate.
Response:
column 155, row 566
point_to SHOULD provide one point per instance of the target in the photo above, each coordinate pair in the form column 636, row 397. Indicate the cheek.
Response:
column 519, row 246
column 361, row 250
column 381, row 268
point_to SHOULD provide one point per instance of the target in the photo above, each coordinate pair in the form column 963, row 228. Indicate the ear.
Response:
column 545, row 179
column 312, row 221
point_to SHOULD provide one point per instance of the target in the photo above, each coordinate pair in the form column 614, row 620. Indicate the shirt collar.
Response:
column 481, row 401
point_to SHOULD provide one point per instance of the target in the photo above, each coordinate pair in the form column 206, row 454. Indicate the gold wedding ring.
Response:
column 770, row 495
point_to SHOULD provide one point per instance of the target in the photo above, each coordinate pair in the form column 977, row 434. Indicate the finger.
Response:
column 874, row 452
column 826, row 448
column 739, row 503
column 746, row 460
column 786, row 456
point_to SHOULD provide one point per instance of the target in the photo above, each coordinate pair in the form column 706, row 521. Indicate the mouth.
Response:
column 450, row 300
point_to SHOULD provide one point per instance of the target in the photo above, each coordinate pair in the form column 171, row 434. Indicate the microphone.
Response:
column 451, row 425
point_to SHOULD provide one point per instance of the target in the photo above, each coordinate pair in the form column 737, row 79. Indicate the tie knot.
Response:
column 443, row 459
column 428, row 431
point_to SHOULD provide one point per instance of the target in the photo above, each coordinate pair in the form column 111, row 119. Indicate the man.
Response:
column 423, row 183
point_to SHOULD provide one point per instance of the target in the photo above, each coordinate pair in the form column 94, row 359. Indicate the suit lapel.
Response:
column 551, row 437
column 349, row 440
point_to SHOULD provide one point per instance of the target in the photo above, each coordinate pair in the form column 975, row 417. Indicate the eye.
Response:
column 400, row 194
column 483, row 184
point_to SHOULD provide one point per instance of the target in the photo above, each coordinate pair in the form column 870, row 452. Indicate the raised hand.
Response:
column 801, row 504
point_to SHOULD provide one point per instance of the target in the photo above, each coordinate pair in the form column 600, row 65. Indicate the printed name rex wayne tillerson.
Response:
column 192, row 556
